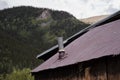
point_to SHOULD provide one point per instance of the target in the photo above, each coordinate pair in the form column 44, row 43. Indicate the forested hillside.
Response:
column 27, row 31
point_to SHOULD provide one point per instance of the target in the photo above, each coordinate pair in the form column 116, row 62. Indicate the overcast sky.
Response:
column 79, row 8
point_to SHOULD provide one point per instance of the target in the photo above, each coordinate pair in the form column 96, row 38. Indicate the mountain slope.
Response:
column 27, row 31
column 93, row 19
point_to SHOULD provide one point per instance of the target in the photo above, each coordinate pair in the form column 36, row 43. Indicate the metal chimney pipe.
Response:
column 61, row 48
column 60, row 43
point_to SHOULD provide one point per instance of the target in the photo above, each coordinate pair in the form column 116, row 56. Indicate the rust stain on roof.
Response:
column 98, row 42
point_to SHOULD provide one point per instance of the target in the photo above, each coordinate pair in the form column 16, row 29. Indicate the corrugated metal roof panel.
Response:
column 98, row 42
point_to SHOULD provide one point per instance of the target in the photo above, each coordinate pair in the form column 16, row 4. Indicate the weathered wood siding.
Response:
column 65, row 73
column 95, row 70
column 114, row 68
column 106, row 68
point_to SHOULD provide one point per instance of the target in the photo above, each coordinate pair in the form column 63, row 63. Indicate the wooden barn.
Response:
column 91, row 54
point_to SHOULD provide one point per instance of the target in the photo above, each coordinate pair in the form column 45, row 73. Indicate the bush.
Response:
column 20, row 75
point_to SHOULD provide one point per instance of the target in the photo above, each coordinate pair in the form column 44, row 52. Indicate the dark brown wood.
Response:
column 114, row 68
column 106, row 68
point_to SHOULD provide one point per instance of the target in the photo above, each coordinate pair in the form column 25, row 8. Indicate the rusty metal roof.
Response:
column 98, row 42
column 50, row 52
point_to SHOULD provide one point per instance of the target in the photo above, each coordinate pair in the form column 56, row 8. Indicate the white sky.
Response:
column 79, row 8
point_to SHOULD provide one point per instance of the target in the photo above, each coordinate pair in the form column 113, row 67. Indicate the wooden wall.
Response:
column 106, row 68
column 114, row 68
